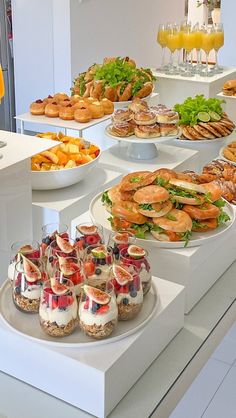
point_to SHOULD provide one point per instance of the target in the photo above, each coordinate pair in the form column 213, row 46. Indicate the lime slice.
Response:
column 203, row 116
column 215, row 117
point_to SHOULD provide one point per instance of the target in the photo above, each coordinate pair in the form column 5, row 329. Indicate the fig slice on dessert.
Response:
column 87, row 230
column 121, row 238
column 32, row 272
column 136, row 252
column 97, row 295
column 64, row 245
column 99, row 252
column 58, row 288
column 67, row 268
column 26, row 249
column 122, row 276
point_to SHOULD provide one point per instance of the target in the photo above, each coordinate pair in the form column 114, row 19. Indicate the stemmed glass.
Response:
column 173, row 43
column 188, row 44
column 198, row 45
column 207, row 45
column 218, row 43
column 162, row 40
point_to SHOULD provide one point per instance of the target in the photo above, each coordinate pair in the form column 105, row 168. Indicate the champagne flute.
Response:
column 188, row 44
column 198, row 45
column 207, row 46
column 172, row 45
column 218, row 43
column 162, row 40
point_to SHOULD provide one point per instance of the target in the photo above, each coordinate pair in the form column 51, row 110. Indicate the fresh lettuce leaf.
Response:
column 219, row 203
column 146, row 206
column 189, row 109
column 106, row 199
column 222, row 218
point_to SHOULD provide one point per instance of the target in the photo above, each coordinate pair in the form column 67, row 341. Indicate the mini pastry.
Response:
column 137, row 105
column 89, row 100
column 96, row 110
column 60, row 96
column 66, row 112
column 145, row 90
column 167, row 116
column 110, row 93
column 48, row 99
column 64, row 102
column 145, row 117
column 124, row 92
column 122, row 115
column 122, row 129
column 83, row 115
column 38, row 107
column 147, row 131
column 108, row 107
column 81, row 104
column 157, row 108
column 74, row 99
column 88, row 89
column 169, row 129
column 52, row 110
column 96, row 89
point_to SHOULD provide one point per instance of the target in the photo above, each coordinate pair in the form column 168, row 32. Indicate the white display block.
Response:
column 15, row 191
column 63, row 205
column 208, row 150
column 168, row 156
column 95, row 379
column 175, row 89
column 229, row 106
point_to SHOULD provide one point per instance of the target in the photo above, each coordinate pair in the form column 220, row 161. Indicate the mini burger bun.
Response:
column 181, row 184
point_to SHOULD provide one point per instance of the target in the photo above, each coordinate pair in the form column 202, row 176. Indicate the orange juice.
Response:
column 173, row 41
column 198, row 39
column 2, row 90
column 218, row 40
column 162, row 37
column 208, row 41
column 188, row 41
column 181, row 40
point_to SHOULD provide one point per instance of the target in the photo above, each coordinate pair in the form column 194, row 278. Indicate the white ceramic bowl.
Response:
column 57, row 179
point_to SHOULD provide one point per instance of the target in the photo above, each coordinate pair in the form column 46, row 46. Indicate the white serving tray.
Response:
column 94, row 379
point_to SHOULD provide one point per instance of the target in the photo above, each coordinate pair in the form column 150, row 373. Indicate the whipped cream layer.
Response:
column 90, row 318
column 132, row 300
column 60, row 316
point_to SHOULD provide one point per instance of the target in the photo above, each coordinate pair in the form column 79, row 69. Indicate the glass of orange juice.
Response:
column 188, row 45
column 2, row 89
column 173, row 43
column 162, row 41
column 198, row 45
column 218, row 43
column 208, row 38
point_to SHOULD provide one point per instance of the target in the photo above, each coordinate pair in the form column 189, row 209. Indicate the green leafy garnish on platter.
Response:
column 219, row 203
column 190, row 109
column 185, row 236
column 161, row 182
column 222, row 218
column 106, row 199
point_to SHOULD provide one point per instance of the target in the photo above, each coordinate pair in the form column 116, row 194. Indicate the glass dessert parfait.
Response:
column 97, row 263
column 60, row 247
column 27, row 284
column 58, row 306
column 49, row 232
column 119, row 240
column 88, row 233
column 128, row 289
column 29, row 249
column 98, row 313
column 138, row 257
column 72, row 269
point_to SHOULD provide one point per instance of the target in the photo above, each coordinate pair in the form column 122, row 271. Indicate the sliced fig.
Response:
column 58, row 288
column 122, row 276
column 99, row 252
column 97, row 295
column 64, row 245
column 26, row 249
column 32, row 272
column 121, row 238
column 136, row 252
column 66, row 267
column 87, row 230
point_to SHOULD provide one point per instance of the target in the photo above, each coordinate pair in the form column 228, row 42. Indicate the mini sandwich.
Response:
column 109, row 197
column 229, row 88
column 153, row 201
column 185, row 192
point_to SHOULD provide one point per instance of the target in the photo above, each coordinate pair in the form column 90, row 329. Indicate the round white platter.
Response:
column 224, row 158
column 27, row 324
column 140, row 148
column 99, row 214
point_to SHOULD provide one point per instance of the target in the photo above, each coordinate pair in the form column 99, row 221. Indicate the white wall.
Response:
column 227, row 54
column 102, row 28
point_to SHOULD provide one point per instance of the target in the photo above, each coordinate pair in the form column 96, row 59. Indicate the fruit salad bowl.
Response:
column 57, row 179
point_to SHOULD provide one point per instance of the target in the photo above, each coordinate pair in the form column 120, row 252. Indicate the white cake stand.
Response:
column 140, row 148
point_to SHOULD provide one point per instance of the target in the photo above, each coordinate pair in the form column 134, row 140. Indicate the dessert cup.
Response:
column 58, row 307
column 73, row 269
column 129, row 258
column 98, row 313
column 129, row 291
column 27, row 284
column 88, row 233
column 49, row 232
column 98, row 260
column 120, row 240
column 30, row 249
column 62, row 248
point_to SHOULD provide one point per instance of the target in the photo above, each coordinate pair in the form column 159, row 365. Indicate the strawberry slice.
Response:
column 103, row 309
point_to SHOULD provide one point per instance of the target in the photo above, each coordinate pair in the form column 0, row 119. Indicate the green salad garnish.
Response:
column 191, row 107
column 106, row 199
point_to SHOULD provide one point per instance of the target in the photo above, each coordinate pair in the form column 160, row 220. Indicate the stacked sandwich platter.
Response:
column 164, row 209
column 142, row 127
